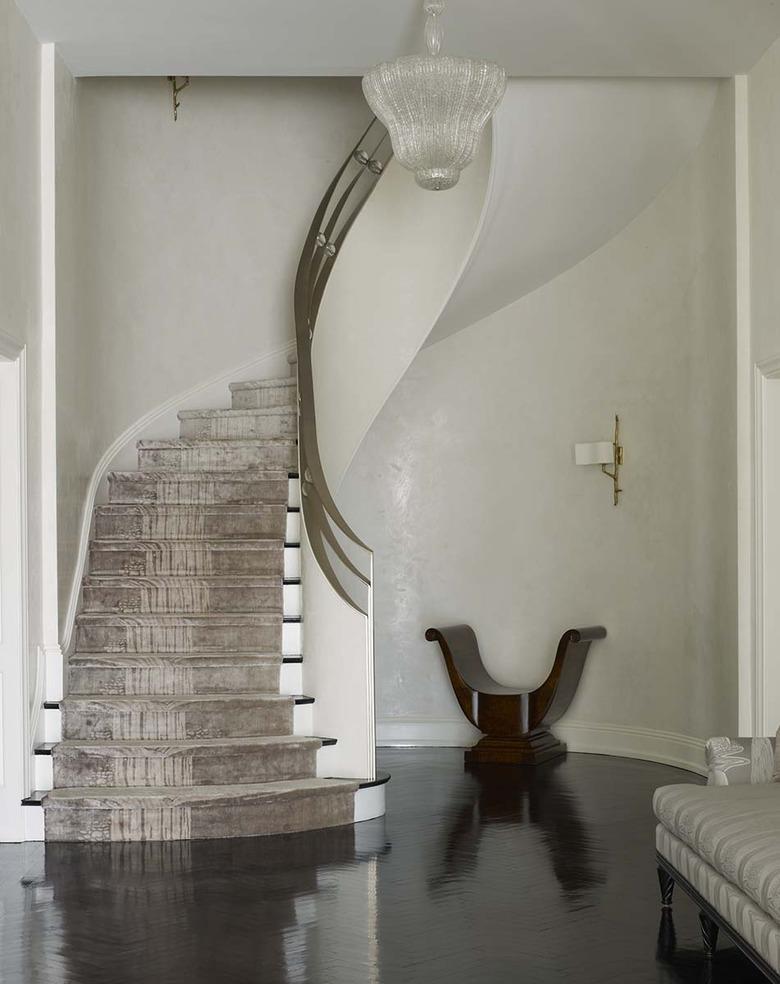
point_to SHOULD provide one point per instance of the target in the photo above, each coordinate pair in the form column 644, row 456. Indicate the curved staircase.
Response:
column 174, row 726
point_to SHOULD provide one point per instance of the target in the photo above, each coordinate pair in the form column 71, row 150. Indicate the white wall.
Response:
column 185, row 238
column 466, row 489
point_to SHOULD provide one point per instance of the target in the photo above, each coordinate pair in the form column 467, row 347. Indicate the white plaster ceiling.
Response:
column 549, row 38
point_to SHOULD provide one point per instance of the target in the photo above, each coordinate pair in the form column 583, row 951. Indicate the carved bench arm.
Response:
column 546, row 704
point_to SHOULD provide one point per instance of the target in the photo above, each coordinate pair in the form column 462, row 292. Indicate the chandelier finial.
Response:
column 434, row 30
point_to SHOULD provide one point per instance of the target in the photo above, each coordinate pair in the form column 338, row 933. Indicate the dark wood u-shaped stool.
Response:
column 515, row 723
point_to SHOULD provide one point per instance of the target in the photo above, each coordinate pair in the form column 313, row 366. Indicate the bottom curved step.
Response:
column 197, row 812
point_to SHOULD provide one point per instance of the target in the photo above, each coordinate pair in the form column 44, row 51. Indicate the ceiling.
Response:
column 567, row 38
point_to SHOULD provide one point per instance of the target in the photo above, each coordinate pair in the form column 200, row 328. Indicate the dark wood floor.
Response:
column 487, row 878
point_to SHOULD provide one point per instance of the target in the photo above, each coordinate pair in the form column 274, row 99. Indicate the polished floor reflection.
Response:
column 494, row 875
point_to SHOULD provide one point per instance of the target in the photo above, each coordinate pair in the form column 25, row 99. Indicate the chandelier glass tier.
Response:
column 435, row 106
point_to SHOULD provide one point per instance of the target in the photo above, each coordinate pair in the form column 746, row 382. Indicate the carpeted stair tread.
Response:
column 176, row 618
column 174, row 443
column 233, row 414
column 254, row 384
column 226, row 595
column 123, row 660
column 196, row 762
column 138, row 797
column 239, row 543
column 243, row 475
column 163, row 580
column 203, row 744
column 166, row 702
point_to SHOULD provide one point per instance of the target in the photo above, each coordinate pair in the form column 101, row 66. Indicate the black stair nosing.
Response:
column 293, row 474
column 35, row 798
column 293, row 509
column 296, row 546
column 382, row 778
column 292, row 659
column 302, row 698
column 44, row 748
column 51, row 705
column 292, row 619
column 288, row 581
column 326, row 741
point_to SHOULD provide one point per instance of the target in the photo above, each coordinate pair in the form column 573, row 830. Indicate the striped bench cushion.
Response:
column 735, row 829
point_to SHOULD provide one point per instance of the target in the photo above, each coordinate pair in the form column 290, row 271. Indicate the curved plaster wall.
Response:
column 466, row 486
column 396, row 271
column 574, row 162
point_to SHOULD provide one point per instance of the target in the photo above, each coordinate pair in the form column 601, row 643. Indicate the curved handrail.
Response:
column 341, row 555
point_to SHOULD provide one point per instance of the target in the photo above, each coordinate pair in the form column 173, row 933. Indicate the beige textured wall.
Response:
column 178, row 258
column 466, row 488
column 764, row 150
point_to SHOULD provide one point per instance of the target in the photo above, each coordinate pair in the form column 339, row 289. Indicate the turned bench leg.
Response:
column 666, row 882
column 709, row 934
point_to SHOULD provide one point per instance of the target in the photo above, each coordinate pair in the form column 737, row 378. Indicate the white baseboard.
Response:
column 669, row 748
column 425, row 732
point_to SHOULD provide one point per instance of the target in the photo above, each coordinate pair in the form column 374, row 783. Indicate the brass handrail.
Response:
column 333, row 542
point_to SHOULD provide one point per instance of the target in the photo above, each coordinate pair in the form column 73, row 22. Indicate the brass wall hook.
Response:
column 175, row 90
column 614, row 475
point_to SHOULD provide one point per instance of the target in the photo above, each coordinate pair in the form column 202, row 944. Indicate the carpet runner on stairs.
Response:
column 173, row 723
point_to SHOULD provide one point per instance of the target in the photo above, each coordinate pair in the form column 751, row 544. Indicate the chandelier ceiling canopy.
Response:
column 435, row 106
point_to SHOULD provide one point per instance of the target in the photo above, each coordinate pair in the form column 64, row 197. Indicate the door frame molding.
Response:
column 763, row 373
column 13, row 351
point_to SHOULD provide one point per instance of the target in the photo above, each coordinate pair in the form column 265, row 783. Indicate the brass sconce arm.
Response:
column 175, row 90
column 614, row 474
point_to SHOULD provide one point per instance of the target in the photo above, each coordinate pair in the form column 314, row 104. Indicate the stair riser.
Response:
column 187, row 560
column 94, row 723
column 262, row 522
column 173, row 680
column 74, row 767
column 203, row 638
column 265, row 397
column 199, row 822
column 237, row 428
column 211, row 492
column 221, row 458
column 188, row 596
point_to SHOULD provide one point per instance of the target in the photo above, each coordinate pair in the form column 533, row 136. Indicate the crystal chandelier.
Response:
column 435, row 106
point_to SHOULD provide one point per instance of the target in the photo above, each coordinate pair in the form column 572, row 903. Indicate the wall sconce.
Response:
column 175, row 90
column 604, row 453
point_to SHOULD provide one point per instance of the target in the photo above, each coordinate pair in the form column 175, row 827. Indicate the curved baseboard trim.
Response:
column 170, row 407
column 669, row 748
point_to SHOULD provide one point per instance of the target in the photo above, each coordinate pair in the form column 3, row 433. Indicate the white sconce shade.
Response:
column 600, row 453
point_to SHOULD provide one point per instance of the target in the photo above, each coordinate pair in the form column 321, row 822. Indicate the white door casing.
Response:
column 766, row 587
column 14, row 704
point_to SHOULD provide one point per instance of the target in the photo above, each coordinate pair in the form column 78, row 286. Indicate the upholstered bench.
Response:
column 721, row 844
